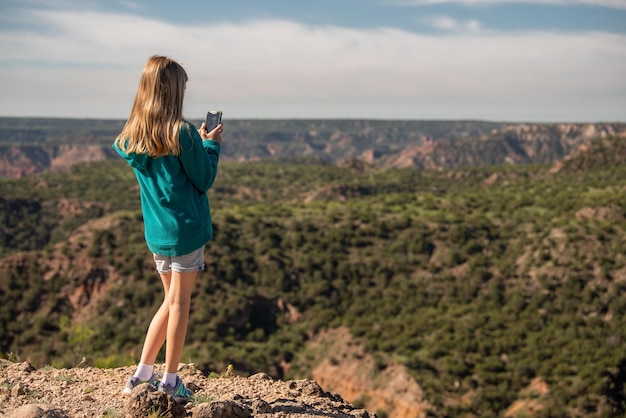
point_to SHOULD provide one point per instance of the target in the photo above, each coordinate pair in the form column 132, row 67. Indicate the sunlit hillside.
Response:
column 495, row 289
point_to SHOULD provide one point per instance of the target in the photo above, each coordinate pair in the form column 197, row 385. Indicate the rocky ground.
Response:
column 26, row 392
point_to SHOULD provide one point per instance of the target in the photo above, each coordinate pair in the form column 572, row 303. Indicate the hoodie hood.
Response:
column 138, row 161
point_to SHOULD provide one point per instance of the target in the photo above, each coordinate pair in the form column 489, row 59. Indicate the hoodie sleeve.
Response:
column 138, row 161
column 199, row 158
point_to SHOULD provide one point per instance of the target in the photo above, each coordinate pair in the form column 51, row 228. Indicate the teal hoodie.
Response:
column 173, row 191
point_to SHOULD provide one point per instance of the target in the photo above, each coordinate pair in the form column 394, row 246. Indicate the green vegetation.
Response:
column 477, row 280
column 202, row 398
column 111, row 413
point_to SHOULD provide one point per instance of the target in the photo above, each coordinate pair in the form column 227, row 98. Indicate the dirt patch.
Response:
column 347, row 369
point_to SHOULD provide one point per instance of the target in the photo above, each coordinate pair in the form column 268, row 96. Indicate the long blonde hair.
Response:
column 155, row 120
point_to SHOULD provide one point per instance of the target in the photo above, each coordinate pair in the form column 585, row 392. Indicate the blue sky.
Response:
column 501, row 60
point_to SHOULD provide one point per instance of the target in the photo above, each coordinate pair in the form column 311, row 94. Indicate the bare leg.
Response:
column 179, row 302
column 157, row 331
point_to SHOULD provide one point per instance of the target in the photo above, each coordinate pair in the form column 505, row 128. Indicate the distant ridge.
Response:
column 606, row 152
column 29, row 146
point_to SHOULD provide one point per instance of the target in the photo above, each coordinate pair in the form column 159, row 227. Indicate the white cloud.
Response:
column 451, row 24
column 90, row 64
column 615, row 4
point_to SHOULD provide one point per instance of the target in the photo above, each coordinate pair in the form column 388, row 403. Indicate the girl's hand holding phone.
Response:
column 215, row 134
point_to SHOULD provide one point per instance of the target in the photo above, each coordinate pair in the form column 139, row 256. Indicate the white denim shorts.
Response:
column 194, row 261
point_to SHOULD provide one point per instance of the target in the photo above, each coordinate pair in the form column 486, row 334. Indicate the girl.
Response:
column 175, row 166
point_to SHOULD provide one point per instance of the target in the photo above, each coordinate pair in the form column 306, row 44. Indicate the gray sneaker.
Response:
column 179, row 392
column 133, row 382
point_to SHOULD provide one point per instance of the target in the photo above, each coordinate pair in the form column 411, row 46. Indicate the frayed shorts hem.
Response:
column 194, row 261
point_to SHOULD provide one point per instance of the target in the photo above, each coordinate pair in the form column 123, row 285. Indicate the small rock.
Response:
column 259, row 406
column 333, row 396
column 362, row 413
column 193, row 387
column 145, row 402
column 38, row 411
column 220, row 409
column 189, row 368
column 18, row 389
column 19, row 368
column 261, row 376
column 307, row 387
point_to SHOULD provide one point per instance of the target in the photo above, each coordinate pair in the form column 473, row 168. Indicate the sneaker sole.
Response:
column 179, row 400
column 182, row 401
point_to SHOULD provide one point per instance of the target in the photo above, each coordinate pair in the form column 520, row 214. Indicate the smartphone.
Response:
column 213, row 118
